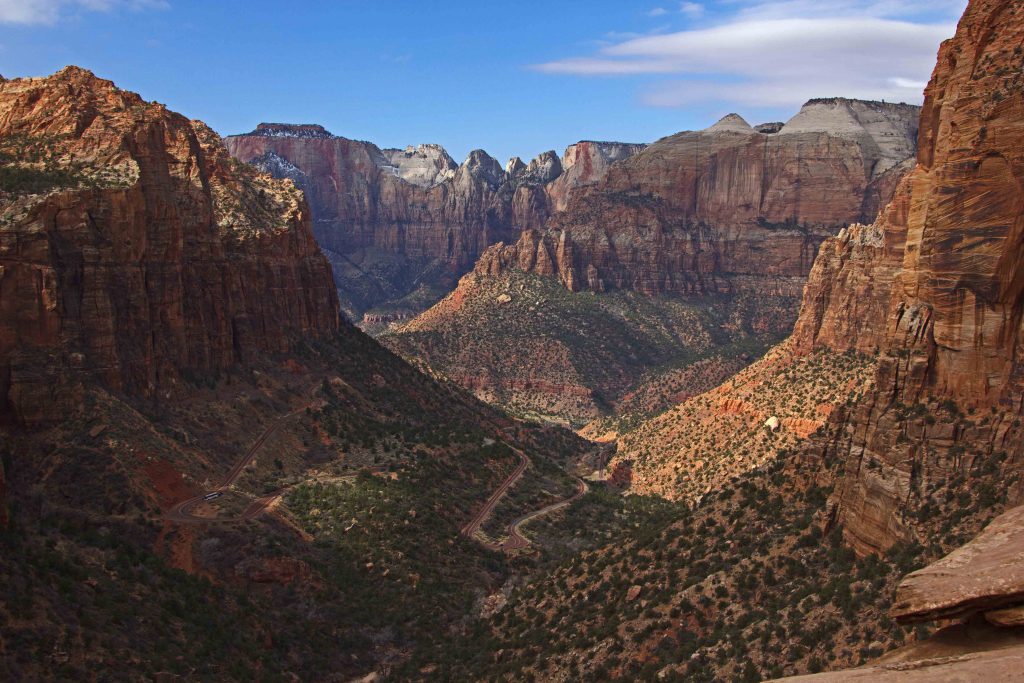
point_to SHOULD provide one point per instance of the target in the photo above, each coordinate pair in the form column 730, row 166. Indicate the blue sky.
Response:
column 511, row 78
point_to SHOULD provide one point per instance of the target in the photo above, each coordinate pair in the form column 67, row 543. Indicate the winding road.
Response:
column 182, row 512
column 478, row 519
column 516, row 541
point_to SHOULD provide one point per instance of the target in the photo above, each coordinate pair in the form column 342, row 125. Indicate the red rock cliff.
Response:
column 398, row 218
column 133, row 248
column 700, row 211
column 936, row 286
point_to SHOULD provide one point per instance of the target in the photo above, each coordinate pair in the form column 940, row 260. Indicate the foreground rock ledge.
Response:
column 985, row 574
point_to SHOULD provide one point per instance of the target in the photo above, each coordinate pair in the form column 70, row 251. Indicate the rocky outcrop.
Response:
column 425, row 166
column 133, row 249
column 984, row 576
column 585, row 163
column 955, row 654
column 700, row 211
column 937, row 287
column 395, row 220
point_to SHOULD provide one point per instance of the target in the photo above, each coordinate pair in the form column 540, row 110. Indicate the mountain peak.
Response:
column 731, row 123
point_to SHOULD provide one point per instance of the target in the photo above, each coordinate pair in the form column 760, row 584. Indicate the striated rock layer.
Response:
column 134, row 249
column 729, row 218
column 698, row 211
column 936, row 287
column 396, row 220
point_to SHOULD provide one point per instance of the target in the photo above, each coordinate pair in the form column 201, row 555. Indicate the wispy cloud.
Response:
column 892, row 9
column 691, row 9
column 783, row 53
column 52, row 11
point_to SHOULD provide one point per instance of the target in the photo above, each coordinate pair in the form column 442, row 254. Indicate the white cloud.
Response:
column 783, row 53
column 657, row 12
column 51, row 11
column 899, row 9
column 691, row 9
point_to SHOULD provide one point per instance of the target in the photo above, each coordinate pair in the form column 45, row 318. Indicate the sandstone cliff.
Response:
column 705, row 211
column 932, row 292
column 134, row 249
column 936, row 285
column 393, row 221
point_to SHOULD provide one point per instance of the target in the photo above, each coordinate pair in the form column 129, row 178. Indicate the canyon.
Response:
column 715, row 230
column 794, row 351
column 913, row 462
column 168, row 322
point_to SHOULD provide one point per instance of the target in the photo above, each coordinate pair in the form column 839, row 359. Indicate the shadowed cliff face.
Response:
column 935, row 286
column 394, row 221
column 134, row 249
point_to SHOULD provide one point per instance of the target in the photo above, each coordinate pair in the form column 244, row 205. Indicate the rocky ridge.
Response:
column 724, row 208
column 932, row 292
column 397, row 221
column 135, row 249
column 729, row 217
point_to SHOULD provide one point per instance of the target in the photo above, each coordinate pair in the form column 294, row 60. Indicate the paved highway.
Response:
column 478, row 519
column 516, row 541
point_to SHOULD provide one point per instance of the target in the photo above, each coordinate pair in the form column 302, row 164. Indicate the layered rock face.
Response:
column 585, row 163
column 133, row 249
column 936, row 285
column 707, row 211
column 394, row 220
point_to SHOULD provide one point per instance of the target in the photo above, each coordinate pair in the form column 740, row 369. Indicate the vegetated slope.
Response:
column 525, row 343
column 158, row 325
column 357, row 566
column 697, row 446
column 752, row 583
column 723, row 223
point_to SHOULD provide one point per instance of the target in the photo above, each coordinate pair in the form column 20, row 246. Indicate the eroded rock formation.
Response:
column 936, row 286
column 707, row 211
column 985, row 575
column 134, row 249
column 393, row 221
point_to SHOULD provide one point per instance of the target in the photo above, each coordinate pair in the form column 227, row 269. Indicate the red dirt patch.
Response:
column 168, row 483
